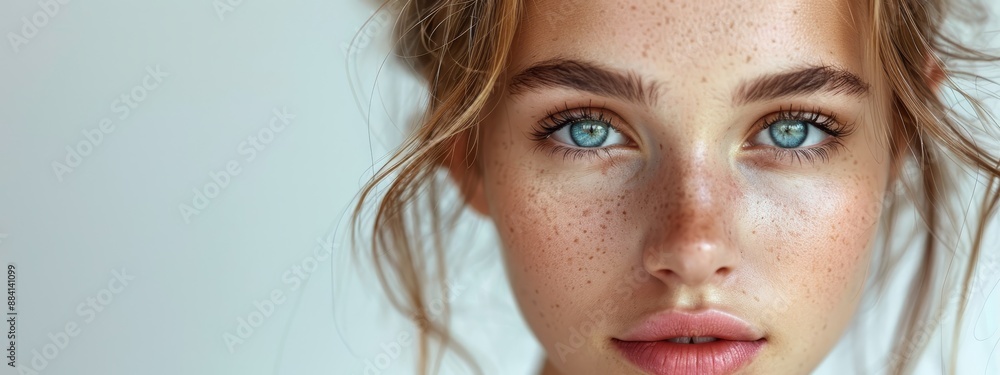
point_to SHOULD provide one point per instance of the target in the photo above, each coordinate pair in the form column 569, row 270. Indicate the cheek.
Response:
column 816, row 239
column 815, row 234
column 565, row 245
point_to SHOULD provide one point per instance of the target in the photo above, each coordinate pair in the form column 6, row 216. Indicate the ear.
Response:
column 933, row 75
column 462, row 168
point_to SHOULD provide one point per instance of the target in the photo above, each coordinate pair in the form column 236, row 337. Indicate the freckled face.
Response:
column 740, row 171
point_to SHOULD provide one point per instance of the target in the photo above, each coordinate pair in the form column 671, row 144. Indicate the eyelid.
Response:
column 560, row 118
column 819, row 118
column 826, row 122
column 564, row 135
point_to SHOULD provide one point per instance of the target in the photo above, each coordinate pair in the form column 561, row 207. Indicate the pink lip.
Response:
column 646, row 346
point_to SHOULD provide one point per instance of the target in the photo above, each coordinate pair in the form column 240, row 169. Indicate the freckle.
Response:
column 703, row 79
column 588, row 281
column 576, row 240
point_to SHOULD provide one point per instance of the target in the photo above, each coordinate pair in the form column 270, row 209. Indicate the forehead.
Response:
column 698, row 38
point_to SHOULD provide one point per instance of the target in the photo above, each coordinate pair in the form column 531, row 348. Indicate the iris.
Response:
column 788, row 133
column 589, row 133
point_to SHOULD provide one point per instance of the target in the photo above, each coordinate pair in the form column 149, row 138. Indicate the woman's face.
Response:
column 686, row 187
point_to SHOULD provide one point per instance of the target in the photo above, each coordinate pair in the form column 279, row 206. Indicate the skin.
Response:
column 691, row 214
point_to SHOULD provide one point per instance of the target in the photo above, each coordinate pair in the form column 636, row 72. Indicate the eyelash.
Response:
column 560, row 118
column 814, row 116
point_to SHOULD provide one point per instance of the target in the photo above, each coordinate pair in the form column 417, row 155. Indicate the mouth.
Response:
column 710, row 342
column 692, row 340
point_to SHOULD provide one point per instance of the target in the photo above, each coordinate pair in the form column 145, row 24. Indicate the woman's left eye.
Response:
column 791, row 133
column 588, row 133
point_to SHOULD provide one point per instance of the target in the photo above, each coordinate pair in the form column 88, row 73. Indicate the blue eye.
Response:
column 791, row 134
column 589, row 134
column 788, row 133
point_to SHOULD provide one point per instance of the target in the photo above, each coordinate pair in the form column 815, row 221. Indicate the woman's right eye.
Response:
column 589, row 133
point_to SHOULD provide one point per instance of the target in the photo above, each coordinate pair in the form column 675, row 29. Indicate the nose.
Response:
column 691, row 240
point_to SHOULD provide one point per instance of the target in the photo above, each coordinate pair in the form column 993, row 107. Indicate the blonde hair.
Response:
column 461, row 48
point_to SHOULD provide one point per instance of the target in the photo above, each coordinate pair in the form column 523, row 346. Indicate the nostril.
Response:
column 723, row 271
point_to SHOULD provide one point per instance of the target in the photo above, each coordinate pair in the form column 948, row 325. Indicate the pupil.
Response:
column 788, row 134
column 588, row 133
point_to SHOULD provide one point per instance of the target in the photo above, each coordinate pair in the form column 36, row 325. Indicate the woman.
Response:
column 682, row 187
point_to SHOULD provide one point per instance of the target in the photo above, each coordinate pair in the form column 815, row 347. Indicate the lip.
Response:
column 646, row 346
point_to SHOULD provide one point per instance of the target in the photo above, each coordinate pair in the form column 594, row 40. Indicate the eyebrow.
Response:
column 804, row 81
column 584, row 76
column 627, row 85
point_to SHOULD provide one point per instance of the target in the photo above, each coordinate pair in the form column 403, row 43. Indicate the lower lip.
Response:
column 664, row 357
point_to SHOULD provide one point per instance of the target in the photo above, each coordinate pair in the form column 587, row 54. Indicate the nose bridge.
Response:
column 693, row 187
column 689, row 241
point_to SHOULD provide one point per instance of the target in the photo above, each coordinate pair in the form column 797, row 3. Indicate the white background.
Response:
column 196, row 277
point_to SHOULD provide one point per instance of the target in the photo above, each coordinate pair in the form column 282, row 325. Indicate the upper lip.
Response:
column 709, row 323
